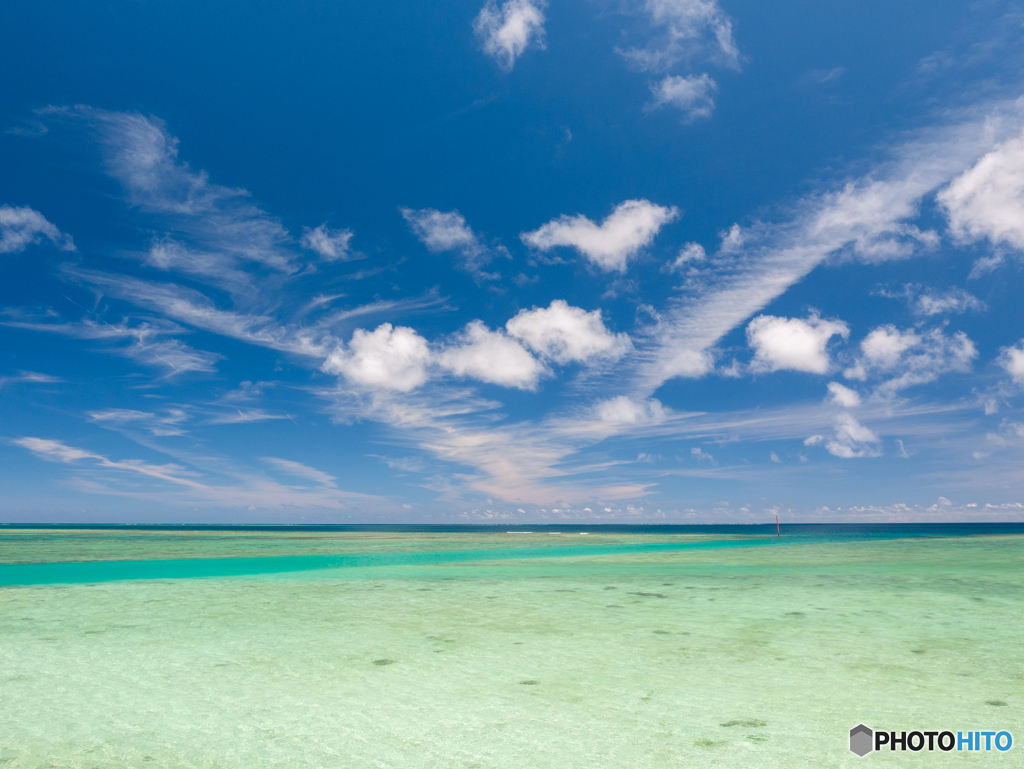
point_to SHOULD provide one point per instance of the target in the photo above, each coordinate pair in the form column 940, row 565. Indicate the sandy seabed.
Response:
column 739, row 657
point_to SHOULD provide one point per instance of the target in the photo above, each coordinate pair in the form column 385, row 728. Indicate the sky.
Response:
column 647, row 261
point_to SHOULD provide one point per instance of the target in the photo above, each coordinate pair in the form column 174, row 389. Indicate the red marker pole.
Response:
column 778, row 531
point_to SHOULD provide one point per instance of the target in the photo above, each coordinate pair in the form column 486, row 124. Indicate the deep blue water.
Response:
column 822, row 532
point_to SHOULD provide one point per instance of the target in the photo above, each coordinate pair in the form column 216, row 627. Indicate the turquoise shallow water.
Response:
column 620, row 652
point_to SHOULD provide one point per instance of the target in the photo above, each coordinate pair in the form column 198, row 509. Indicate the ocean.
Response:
column 542, row 646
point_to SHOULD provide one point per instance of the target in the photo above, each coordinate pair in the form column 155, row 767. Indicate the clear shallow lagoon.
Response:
column 349, row 647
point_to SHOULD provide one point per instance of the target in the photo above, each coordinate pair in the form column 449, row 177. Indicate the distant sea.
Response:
column 503, row 646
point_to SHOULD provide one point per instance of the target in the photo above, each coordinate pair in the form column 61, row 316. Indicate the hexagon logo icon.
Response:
column 861, row 740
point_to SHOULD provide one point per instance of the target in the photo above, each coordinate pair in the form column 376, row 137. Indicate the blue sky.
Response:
column 663, row 261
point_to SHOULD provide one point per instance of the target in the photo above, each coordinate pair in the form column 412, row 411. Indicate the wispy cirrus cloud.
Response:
column 21, row 227
column 300, row 470
column 869, row 219
column 176, row 483
column 30, row 377
column 159, row 425
column 147, row 342
column 206, row 230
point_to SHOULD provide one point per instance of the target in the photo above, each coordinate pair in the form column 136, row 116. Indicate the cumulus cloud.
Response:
column 909, row 357
column 691, row 95
column 331, row 245
column 564, row 333
column 21, row 227
column 856, row 219
column 1012, row 359
column 630, row 227
column 884, row 346
column 843, row 396
column 987, row 200
column 506, row 31
column 387, row 358
column 793, row 344
column 442, row 231
column 627, row 411
column 685, row 29
column 491, row 356
column 852, row 439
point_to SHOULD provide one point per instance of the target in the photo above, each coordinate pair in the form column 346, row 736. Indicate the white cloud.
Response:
column 814, row 440
column 388, row 358
column 852, row 439
column 405, row 464
column 332, row 245
column 843, row 396
column 300, row 470
column 987, row 200
column 179, row 485
column 442, row 231
column 954, row 300
column 197, row 310
column 910, row 358
column 52, row 451
column 507, row 31
column 691, row 95
column 176, row 356
column 491, row 356
column 160, row 426
column 145, row 344
column 630, row 227
column 626, row 411
column 732, row 240
column 21, row 227
column 688, row 255
column 564, row 333
column 702, row 456
column 775, row 256
column 30, row 377
column 56, row 451
column 208, row 230
column 884, row 346
column 687, row 27
column 792, row 343
column 1012, row 359
column 237, row 416
column 775, row 458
